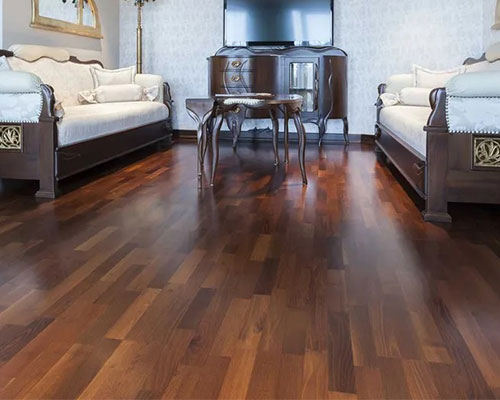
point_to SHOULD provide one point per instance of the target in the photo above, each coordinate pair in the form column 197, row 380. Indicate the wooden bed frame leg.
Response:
column 48, row 182
column 436, row 205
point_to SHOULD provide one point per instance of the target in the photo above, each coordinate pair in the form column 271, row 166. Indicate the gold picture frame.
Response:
column 42, row 22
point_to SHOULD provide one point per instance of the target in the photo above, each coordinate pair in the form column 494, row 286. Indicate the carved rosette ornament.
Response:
column 487, row 152
column 11, row 137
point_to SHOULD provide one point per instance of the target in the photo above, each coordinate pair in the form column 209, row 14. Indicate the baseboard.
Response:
column 265, row 135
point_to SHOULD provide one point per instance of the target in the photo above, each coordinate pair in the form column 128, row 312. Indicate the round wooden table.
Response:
column 214, row 109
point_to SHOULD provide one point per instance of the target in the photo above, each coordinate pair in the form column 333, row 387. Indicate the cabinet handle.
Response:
column 236, row 78
column 236, row 64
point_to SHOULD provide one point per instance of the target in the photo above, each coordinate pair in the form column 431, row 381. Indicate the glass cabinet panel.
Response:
column 303, row 82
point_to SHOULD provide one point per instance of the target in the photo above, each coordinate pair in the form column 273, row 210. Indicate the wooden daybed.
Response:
column 38, row 154
column 452, row 167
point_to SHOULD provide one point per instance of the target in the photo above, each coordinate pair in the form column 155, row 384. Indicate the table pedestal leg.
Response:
column 276, row 129
column 215, row 145
column 302, row 144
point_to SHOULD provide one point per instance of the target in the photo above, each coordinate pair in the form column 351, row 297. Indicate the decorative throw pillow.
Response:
column 151, row 93
column 59, row 109
column 118, row 94
column 4, row 64
column 106, row 77
column 389, row 99
column 426, row 78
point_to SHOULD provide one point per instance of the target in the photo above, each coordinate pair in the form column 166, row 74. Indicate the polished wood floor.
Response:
column 137, row 286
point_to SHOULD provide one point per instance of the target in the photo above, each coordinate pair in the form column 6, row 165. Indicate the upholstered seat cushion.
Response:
column 407, row 123
column 86, row 122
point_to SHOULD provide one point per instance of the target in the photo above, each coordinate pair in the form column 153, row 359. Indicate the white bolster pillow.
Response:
column 19, row 82
column 475, row 84
column 413, row 96
column 119, row 93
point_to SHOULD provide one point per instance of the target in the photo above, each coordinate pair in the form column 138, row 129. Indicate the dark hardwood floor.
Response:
column 136, row 286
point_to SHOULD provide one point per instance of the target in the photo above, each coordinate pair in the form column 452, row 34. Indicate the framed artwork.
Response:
column 78, row 17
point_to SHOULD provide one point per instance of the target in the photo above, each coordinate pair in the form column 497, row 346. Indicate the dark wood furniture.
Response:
column 451, row 170
column 216, row 109
column 317, row 74
column 40, row 158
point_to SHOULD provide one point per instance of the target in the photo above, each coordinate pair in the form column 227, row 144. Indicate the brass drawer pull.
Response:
column 236, row 64
column 236, row 78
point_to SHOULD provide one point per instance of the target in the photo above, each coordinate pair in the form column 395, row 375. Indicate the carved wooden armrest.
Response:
column 167, row 96
column 437, row 119
column 49, row 102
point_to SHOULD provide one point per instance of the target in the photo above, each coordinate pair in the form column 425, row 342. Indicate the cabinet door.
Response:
column 302, row 77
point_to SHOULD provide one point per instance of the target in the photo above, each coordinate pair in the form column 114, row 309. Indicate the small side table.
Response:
column 205, row 110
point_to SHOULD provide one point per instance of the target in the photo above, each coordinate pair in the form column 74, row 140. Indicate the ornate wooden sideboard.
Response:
column 318, row 74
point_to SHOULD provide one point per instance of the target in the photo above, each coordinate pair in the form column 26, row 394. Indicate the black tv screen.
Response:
column 278, row 22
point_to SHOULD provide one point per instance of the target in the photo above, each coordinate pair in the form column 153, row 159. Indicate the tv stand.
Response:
column 319, row 74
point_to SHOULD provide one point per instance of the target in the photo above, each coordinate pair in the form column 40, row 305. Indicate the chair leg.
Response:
column 302, row 145
column 287, row 138
column 276, row 128
column 215, row 146
column 346, row 131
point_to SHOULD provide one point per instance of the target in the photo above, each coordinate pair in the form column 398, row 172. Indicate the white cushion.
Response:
column 19, row 82
column 32, row 53
column 107, row 77
column 397, row 82
column 82, row 123
column 415, row 97
column 426, row 78
column 4, row 64
column 67, row 78
column 477, row 84
column 407, row 123
column 493, row 53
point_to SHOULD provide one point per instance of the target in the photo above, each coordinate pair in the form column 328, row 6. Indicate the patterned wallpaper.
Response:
column 382, row 37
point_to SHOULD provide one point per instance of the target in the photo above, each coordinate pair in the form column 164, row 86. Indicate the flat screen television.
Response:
column 278, row 22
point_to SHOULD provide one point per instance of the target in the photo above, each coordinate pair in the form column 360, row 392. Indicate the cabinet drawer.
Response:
column 237, row 64
column 235, row 79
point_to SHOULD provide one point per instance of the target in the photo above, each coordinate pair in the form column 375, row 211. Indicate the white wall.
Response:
column 16, row 19
column 382, row 37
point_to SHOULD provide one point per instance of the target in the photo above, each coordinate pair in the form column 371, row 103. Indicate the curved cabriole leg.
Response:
column 201, row 139
column 276, row 128
column 287, row 142
column 215, row 145
column 346, row 131
column 321, row 130
column 302, row 144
